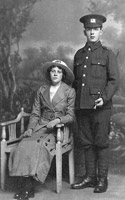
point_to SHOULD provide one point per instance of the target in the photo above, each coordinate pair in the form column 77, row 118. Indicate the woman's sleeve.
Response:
column 36, row 112
column 70, row 116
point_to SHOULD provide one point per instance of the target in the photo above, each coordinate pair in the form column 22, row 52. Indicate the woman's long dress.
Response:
column 33, row 155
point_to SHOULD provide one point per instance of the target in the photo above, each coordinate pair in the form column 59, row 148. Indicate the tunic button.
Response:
column 85, row 66
column 89, row 49
column 83, row 84
column 86, row 57
column 84, row 75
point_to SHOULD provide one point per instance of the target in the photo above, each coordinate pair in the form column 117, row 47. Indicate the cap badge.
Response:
column 92, row 20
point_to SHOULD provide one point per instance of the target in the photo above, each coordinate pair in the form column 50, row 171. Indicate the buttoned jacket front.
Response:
column 96, row 75
column 62, row 106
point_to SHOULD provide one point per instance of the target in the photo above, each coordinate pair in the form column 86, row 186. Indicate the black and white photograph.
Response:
column 62, row 99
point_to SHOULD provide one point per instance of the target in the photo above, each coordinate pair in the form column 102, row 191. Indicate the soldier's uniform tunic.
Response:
column 96, row 75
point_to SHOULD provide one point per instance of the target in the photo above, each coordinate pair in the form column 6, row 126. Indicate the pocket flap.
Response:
column 95, row 91
column 98, row 61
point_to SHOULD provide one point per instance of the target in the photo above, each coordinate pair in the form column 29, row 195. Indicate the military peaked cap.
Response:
column 92, row 20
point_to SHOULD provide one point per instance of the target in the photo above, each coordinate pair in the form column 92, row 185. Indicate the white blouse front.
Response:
column 53, row 90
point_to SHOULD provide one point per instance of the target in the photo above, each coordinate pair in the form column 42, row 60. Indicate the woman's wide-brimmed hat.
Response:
column 63, row 65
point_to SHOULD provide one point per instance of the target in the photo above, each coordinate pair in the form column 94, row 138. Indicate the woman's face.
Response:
column 56, row 75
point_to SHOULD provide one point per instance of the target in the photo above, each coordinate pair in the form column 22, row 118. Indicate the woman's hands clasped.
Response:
column 50, row 125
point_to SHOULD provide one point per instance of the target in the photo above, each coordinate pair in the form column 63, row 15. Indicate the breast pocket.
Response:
column 98, row 68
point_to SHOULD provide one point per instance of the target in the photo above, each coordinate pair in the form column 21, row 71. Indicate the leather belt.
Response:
column 50, row 115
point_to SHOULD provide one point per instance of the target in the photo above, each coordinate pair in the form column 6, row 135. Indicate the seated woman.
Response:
column 54, row 104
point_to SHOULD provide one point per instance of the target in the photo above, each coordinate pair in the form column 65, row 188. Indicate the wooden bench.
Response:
column 10, row 137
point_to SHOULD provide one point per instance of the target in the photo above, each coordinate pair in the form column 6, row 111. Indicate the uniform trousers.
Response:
column 94, row 128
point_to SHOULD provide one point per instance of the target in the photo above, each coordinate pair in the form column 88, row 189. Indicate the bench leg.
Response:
column 71, row 166
column 59, row 167
column 3, row 165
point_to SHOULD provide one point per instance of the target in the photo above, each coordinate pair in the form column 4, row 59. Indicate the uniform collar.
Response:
column 92, row 46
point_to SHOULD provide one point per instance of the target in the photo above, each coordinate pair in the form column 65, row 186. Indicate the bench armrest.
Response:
column 10, row 126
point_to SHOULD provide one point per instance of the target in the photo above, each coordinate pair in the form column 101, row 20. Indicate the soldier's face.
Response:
column 93, row 34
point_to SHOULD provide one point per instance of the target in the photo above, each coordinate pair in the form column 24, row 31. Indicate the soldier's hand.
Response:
column 98, row 102
column 28, row 133
column 53, row 123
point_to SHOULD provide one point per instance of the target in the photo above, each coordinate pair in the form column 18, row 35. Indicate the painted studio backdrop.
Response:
column 33, row 32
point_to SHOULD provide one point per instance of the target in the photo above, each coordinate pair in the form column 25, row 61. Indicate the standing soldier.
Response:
column 96, row 81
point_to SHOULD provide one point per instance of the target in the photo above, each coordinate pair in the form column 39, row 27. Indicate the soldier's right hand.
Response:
column 28, row 133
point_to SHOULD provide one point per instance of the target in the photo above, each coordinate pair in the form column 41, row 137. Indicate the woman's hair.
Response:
column 63, row 71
